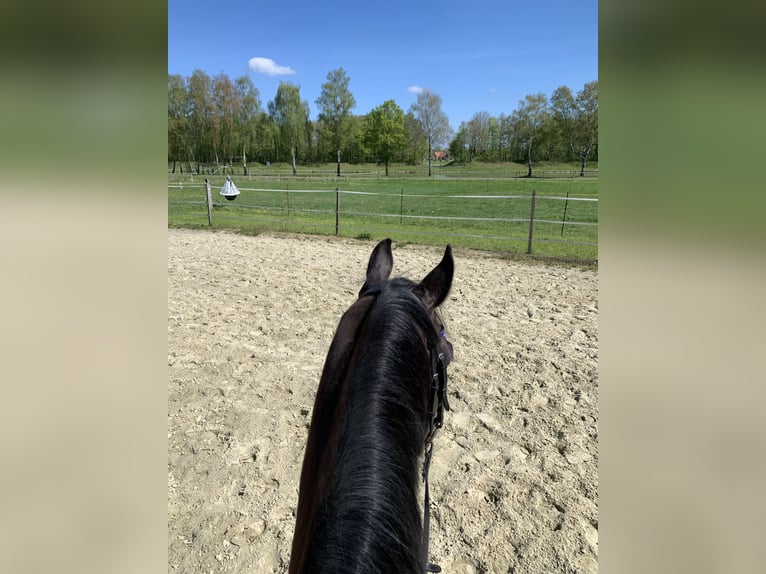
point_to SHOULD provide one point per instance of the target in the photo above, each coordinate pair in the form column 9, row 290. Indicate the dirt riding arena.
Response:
column 514, row 477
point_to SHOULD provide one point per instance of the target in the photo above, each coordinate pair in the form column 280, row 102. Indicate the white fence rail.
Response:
column 206, row 199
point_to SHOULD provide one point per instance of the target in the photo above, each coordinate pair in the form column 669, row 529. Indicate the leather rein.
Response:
column 438, row 404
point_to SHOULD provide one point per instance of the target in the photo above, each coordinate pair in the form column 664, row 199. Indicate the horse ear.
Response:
column 379, row 266
column 434, row 288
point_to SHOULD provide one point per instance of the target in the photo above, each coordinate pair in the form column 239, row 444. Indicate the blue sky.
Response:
column 480, row 56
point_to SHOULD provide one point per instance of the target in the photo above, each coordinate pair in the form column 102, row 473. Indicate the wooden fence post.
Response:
column 566, row 204
column 531, row 222
column 209, row 194
column 337, row 211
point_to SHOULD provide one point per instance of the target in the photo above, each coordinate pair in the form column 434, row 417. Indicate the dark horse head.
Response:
column 373, row 414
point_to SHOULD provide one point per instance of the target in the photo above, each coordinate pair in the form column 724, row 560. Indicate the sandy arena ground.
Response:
column 514, row 477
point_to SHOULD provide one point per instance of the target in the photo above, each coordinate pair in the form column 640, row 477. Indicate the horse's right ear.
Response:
column 379, row 266
column 434, row 288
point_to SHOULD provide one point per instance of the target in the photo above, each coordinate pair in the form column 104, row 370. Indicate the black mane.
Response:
column 358, row 505
column 371, row 501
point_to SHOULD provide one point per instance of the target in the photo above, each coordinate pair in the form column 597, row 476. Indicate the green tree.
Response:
column 268, row 138
column 506, row 139
column 247, row 122
column 586, row 124
column 355, row 149
column 478, row 136
column 290, row 114
column 530, row 119
column 385, row 133
column 201, row 117
column 228, row 107
column 493, row 139
column 178, row 119
column 563, row 115
column 458, row 147
column 427, row 110
column 417, row 144
column 335, row 103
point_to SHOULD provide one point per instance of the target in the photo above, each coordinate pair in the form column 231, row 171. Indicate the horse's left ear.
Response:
column 434, row 288
column 379, row 266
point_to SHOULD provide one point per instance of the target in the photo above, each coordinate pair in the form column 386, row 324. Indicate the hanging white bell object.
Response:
column 229, row 190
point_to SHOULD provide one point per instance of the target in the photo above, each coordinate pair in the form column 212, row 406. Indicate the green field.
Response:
column 406, row 206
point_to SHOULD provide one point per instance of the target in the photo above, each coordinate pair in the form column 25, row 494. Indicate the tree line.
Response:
column 219, row 121
column 563, row 128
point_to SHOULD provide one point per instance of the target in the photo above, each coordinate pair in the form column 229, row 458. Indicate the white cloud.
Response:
column 493, row 90
column 268, row 66
column 416, row 90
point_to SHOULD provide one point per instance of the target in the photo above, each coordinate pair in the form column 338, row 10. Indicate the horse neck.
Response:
column 371, row 504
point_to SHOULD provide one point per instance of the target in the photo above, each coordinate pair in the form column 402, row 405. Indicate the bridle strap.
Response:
column 429, row 567
column 436, row 412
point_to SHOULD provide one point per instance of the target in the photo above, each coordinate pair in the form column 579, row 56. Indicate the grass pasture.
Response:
column 455, row 206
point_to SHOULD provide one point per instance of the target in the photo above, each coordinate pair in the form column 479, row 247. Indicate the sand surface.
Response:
column 514, row 477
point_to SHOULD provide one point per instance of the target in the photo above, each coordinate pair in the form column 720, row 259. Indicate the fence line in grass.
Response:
column 427, row 195
column 439, row 172
column 338, row 212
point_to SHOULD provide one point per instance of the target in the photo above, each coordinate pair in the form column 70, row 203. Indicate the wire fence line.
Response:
column 428, row 195
column 254, row 211
column 455, row 173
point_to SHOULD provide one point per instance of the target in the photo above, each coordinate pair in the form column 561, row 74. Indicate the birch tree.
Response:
column 335, row 103
column 247, row 121
column 433, row 121
column 290, row 114
column 586, row 125
column 530, row 120
column 178, row 119
column 228, row 106
column 200, row 119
